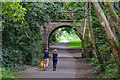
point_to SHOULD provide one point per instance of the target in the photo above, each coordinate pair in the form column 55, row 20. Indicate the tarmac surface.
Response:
column 70, row 65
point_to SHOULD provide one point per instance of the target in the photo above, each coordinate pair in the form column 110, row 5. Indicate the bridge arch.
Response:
column 54, row 29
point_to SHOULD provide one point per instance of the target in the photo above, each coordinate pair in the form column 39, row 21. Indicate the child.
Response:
column 55, row 59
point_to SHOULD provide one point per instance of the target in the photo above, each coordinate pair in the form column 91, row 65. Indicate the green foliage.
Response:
column 78, row 8
column 14, row 10
column 53, row 37
column 21, row 22
column 22, row 39
column 111, row 70
column 13, row 27
column 8, row 73
column 94, row 61
column 108, row 62
column 63, row 34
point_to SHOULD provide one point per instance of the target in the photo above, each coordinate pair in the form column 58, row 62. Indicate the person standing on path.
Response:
column 46, row 55
column 55, row 59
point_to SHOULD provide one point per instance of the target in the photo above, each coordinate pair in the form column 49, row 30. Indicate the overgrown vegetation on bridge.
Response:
column 100, row 33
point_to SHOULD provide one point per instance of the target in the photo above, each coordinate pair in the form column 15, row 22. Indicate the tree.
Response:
column 109, row 34
column 92, row 37
column 113, row 15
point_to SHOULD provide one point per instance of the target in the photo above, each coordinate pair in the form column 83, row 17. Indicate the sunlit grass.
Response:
column 8, row 73
column 75, row 44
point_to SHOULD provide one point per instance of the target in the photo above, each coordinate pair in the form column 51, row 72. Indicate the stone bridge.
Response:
column 49, row 28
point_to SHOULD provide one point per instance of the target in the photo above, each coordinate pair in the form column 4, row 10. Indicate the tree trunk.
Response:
column 83, row 47
column 92, row 36
column 111, row 23
column 83, row 35
column 84, row 28
column 83, row 32
column 79, row 35
column 83, row 44
column 110, row 36
column 113, row 15
column 113, row 30
column 90, row 53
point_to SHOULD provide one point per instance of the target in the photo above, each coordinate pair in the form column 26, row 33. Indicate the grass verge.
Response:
column 8, row 73
column 75, row 44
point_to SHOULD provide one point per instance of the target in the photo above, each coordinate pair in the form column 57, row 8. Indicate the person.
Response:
column 55, row 59
column 69, row 9
column 46, row 55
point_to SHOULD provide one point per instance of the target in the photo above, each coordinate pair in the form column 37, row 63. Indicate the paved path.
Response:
column 70, row 65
